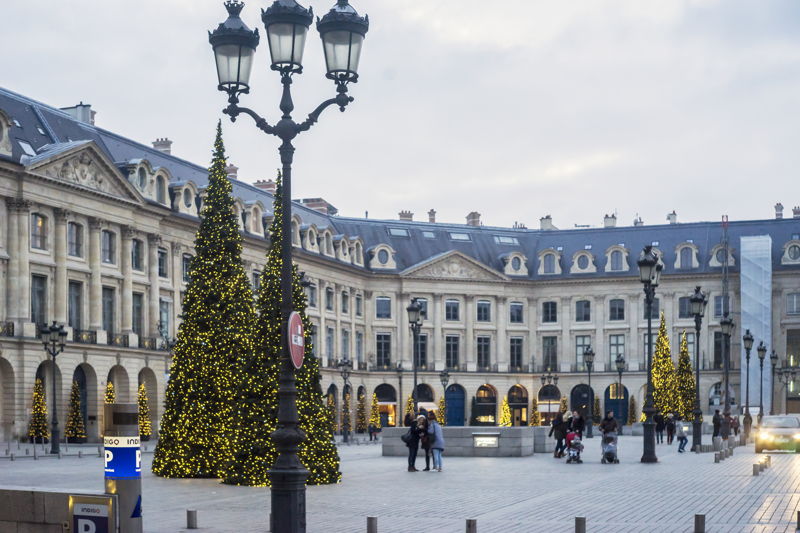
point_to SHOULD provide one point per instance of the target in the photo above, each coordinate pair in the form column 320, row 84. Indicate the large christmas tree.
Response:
column 111, row 393
column 347, row 418
column 665, row 386
column 536, row 416
column 215, row 336
column 505, row 413
column 145, row 424
column 75, row 431
column 37, row 429
column 361, row 414
column 375, row 413
column 685, row 377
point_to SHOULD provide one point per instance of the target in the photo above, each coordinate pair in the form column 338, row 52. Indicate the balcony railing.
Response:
column 519, row 369
column 362, row 365
column 84, row 336
column 6, row 329
column 118, row 339
column 148, row 343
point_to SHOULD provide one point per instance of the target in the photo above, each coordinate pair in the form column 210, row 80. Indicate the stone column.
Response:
column 177, row 281
column 95, row 282
column 23, row 234
column 369, row 335
column 322, row 333
column 437, row 346
column 60, row 245
column 13, row 307
column 469, row 334
column 635, row 355
column 567, row 359
column 127, row 281
column 503, row 361
column 404, row 342
column 153, row 242
column 599, row 344
column 351, row 314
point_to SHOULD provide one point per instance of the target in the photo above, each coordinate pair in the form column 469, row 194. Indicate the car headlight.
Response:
column 797, row 436
column 766, row 435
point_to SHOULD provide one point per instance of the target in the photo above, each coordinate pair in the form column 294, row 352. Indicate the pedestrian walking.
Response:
column 682, row 438
column 716, row 421
column 658, row 418
column 425, row 440
column 670, row 423
column 436, row 436
column 558, row 430
column 577, row 424
column 735, row 425
column 371, row 431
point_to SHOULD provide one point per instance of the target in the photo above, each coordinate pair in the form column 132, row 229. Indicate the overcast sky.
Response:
column 515, row 109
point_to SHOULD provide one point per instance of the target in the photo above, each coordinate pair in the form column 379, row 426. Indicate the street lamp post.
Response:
column 444, row 377
column 588, row 359
column 649, row 274
column 698, row 302
column 342, row 32
column 620, row 362
column 786, row 376
column 400, row 403
column 345, row 368
column 726, row 325
column 762, row 353
column 747, row 340
column 53, row 338
column 414, row 311
column 773, row 359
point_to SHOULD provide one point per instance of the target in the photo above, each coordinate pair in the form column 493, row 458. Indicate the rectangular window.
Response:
column 793, row 303
column 616, row 309
column 654, row 313
column 108, row 310
column 515, row 312
column 616, row 347
column 721, row 306
column 549, row 312
column 359, row 346
column 484, row 352
column 138, row 313
column 484, row 311
column 689, row 344
column 515, row 352
column 359, row 305
column 421, row 351
column 186, row 268
column 719, row 343
column 459, row 237
column 137, row 255
column 311, row 291
column 383, row 307
column 423, row 308
column 39, row 300
column 328, row 299
column 345, row 303
column 164, row 315
column 684, row 307
column 38, row 231
column 256, row 281
column 313, row 335
column 451, row 351
column 451, row 310
column 583, row 311
column 345, row 344
column 502, row 239
column 163, row 263
column 654, row 336
column 581, row 343
column 108, row 247
column 428, row 235
column 329, row 343
column 398, row 232
column 793, row 350
column 550, row 353
column 383, row 350
column 75, row 305
column 75, row 239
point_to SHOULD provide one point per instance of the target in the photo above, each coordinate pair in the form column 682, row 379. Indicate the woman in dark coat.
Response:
column 416, row 431
column 558, row 429
column 670, row 428
column 578, row 424
column 658, row 418
column 425, row 440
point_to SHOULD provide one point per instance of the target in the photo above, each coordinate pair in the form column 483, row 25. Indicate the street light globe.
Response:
column 287, row 24
column 588, row 356
column 762, row 350
column 342, row 32
column 234, row 46
column 649, row 267
column 726, row 325
column 620, row 362
column 698, row 303
column 413, row 310
column 747, row 339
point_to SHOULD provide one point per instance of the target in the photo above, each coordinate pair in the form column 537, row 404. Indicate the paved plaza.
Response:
column 528, row 494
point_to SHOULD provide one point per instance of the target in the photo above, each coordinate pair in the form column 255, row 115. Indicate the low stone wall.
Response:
column 459, row 441
column 39, row 511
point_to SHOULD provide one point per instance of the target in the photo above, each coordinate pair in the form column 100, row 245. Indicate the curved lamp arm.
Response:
column 341, row 100
column 234, row 111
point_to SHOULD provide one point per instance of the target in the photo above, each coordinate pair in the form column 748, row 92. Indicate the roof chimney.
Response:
column 432, row 216
column 610, row 221
column 266, row 185
column 163, row 145
column 672, row 217
column 546, row 223
column 638, row 221
column 474, row 219
column 407, row 216
column 796, row 212
column 232, row 171
column 81, row 112
column 779, row 210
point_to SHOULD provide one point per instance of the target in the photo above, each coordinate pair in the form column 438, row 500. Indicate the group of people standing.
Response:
column 674, row 428
column 561, row 426
column 426, row 432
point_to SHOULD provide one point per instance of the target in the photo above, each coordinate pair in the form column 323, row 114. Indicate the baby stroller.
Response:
column 574, row 448
column 610, row 449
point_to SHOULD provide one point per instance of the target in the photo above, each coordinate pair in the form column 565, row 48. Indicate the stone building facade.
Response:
column 96, row 232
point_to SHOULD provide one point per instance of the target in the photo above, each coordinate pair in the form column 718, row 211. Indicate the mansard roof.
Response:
column 48, row 129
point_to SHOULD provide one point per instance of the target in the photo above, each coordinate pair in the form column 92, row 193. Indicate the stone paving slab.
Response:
column 516, row 494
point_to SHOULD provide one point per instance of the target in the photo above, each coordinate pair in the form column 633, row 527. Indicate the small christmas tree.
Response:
column 442, row 414
column 375, row 413
column 331, row 405
column 632, row 411
column 37, row 430
column 562, row 408
column 361, row 414
column 145, row 425
column 597, row 416
column 536, row 416
column 111, row 393
column 685, row 378
column 75, row 430
column 409, row 406
column 505, row 414
column 665, row 386
column 347, row 419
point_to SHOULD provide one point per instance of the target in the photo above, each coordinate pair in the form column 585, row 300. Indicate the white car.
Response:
column 780, row 432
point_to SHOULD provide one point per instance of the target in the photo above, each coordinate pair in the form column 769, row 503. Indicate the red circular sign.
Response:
column 296, row 340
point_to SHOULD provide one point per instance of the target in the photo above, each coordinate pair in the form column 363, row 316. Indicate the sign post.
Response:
column 92, row 514
column 296, row 340
column 123, row 463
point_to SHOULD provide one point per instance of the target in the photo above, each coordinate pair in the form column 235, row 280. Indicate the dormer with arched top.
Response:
column 326, row 243
column 240, row 212
column 382, row 257
column 310, row 236
column 791, row 253
column 549, row 262
column 357, row 251
column 185, row 198
column 5, row 134
column 686, row 256
column 583, row 263
column 617, row 259
column 342, row 247
column 718, row 256
column 296, row 223
column 514, row 264
column 161, row 182
column 255, row 217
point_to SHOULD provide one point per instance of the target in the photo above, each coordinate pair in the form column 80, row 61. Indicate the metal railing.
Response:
column 148, row 343
column 6, row 329
column 84, row 336
column 118, row 339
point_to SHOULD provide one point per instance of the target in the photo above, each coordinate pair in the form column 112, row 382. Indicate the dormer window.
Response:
column 161, row 190
column 142, row 179
column 793, row 252
column 383, row 256
column 187, row 198
column 516, row 263
column 686, row 257
column 616, row 260
column 583, row 262
column 550, row 264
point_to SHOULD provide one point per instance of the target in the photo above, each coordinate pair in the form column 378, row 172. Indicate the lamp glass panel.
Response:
column 342, row 51
column 286, row 43
column 234, row 63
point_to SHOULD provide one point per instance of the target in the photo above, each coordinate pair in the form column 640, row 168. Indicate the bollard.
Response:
column 762, row 466
column 12, row 456
column 80, row 454
column 99, row 451
column 191, row 519
column 27, row 451
column 580, row 524
column 798, row 521
column 716, row 457
column 472, row 525
column 59, row 454
column 372, row 524
column 699, row 523
column 35, row 455
column 756, row 469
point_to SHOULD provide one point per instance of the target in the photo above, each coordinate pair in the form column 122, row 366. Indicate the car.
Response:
column 780, row 432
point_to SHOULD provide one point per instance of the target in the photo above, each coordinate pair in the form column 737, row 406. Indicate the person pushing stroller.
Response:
column 609, row 427
column 574, row 447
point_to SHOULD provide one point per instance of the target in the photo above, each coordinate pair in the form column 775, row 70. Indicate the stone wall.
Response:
column 28, row 511
column 459, row 441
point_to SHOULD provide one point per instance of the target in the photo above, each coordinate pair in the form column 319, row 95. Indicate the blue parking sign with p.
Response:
column 91, row 514
column 123, row 457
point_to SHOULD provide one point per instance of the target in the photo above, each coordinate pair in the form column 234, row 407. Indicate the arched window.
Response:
column 142, row 179
column 549, row 264
column 187, row 197
column 686, row 257
column 616, row 260
column 161, row 190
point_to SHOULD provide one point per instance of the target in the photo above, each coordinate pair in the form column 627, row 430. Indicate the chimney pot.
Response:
column 638, row 221
column 779, row 210
column 405, row 215
column 796, row 212
column 232, row 171
column 546, row 223
column 672, row 217
column 610, row 221
column 474, row 219
column 432, row 216
column 163, row 145
column 266, row 185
